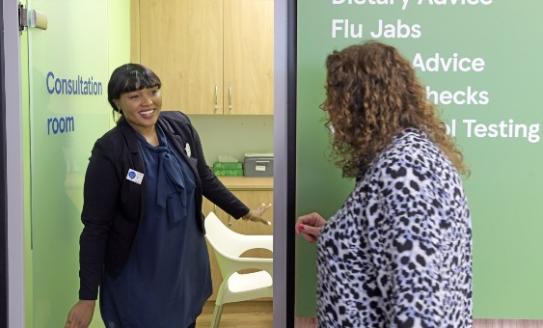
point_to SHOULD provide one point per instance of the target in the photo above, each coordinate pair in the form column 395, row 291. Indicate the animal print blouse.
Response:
column 398, row 253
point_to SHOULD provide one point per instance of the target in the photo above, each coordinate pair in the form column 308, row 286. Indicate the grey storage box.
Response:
column 258, row 165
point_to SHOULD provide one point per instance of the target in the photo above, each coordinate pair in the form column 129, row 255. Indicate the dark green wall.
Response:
column 504, row 188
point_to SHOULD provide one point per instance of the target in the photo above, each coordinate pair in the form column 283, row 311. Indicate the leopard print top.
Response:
column 398, row 253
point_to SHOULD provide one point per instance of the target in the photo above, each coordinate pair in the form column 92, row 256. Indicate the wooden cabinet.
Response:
column 253, row 192
column 253, row 199
column 213, row 56
column 248, row 56
column 182, row 41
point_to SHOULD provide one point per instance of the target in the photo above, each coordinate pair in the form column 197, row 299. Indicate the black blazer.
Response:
column 113, row 205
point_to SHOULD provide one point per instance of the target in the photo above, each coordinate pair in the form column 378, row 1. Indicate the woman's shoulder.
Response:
column 110, row 143
column 413, row 158
column 111, row 136
column 410, row 149
column 409, row 146
column 412, row 139
column 175, row 122
column 175, row 117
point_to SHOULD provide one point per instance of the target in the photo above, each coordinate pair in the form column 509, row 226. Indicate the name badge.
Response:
column 134, row 176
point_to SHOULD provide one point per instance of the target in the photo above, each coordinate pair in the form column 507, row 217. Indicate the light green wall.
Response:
column 83, row 38
column 118, row 36
column 504, row 187
column 234, row 135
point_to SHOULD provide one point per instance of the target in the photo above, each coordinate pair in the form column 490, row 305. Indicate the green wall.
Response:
column 84, row 39
column 504, row 186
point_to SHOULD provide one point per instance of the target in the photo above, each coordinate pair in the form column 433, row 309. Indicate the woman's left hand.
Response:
column 255, row 215
column 309, row 226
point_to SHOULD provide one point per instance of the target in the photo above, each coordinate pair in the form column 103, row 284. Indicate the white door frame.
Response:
column 14, row 164
column 3, row 190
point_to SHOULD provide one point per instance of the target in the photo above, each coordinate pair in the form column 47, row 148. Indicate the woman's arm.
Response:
column 100, row 194
column 101, row 197
column 213, row 189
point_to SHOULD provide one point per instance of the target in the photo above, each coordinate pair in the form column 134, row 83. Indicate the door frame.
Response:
column 12, row 167
column 285, row 162
column 3, row 190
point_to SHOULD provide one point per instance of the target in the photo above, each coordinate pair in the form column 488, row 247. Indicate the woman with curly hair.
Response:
column 398, row 252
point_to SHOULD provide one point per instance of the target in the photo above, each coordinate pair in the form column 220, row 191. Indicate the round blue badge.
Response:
column 131, row 174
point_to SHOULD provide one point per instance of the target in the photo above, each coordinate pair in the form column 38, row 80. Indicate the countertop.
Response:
column 241, row 183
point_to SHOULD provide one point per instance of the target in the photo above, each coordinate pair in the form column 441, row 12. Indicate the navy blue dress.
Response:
column 166, row 279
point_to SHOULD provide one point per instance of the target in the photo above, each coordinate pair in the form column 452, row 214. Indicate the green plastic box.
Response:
column 228, row 169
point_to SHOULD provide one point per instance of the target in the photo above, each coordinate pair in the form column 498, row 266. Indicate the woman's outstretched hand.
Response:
column 80, row 315
column 310, row 226
column 255, row 215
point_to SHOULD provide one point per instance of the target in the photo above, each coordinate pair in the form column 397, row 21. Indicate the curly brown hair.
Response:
column 372, row 94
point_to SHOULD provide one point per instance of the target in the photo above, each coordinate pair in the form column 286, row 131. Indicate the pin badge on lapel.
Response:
column 187, row 149
column 134, row 176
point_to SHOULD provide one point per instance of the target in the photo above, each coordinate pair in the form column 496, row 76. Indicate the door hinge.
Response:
column 23, row 17
column 31, row 18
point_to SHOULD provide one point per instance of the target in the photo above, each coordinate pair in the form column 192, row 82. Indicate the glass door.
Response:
column 67, row 111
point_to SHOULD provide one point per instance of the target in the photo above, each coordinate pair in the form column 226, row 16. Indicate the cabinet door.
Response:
column 248, row 57
column 253, row 199
column 182, row 41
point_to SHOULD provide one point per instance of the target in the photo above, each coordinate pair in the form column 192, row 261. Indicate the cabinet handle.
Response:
column 216, row 96
column 230, row 106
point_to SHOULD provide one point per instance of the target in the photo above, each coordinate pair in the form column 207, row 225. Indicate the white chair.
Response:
column 228, row 246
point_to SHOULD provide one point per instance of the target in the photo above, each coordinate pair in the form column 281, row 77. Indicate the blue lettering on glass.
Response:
column 58, row 86
column 76, row 86
column 50, row 75
column 60, row 125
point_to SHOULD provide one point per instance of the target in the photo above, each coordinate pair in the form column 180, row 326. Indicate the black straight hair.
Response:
column 128, row 78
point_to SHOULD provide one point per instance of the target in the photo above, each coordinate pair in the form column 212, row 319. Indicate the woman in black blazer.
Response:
column 143, row 237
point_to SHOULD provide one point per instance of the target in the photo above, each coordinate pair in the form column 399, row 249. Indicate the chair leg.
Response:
column 217, row 313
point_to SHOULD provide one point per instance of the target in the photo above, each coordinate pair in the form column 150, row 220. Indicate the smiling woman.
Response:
column 142, row 209
column 134, row 91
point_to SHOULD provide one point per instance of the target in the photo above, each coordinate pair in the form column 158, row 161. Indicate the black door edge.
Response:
column 291, row 158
